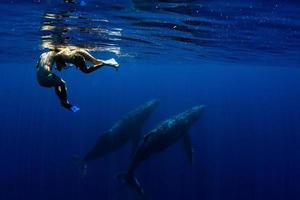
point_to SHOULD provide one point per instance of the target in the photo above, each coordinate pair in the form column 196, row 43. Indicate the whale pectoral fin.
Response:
column 135, row 142
column 187, row 145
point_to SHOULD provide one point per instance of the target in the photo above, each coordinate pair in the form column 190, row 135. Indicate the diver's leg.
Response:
column 87, row 56
column 80, row 63
column 61, row 92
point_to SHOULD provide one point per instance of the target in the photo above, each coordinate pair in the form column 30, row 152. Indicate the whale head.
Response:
column 192, row 115
column 150, row 106
column 143, row 112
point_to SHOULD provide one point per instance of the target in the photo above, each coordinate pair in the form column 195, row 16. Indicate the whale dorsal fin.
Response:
column 187, row 145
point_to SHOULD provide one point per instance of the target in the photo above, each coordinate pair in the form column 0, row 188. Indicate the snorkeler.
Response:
column 62, row 57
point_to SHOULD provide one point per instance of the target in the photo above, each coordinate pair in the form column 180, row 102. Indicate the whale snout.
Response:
column 196, row 112
column 154, row 103
column 198, row 109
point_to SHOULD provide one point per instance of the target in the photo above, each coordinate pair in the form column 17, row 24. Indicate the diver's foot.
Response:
column 70, row 107
column 112, row 62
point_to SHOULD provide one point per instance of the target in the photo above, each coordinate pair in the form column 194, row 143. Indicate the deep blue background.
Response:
column 246, row 144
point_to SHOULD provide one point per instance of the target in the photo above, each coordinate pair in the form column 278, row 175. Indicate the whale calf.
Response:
column 159, row 139
column 126, row 129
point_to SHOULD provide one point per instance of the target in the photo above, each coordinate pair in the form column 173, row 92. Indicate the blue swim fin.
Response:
column 74, row 109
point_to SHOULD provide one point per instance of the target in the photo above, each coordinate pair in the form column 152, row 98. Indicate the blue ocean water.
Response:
column 239, row 58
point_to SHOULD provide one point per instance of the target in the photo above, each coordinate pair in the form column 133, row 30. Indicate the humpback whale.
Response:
column 126, row 129
column 159, row 139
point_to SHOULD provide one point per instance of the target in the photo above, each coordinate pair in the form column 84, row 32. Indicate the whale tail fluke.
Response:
column 81, row 165
column 131, row 181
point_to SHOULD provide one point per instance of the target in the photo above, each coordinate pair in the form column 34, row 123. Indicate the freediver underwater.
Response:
column 61, row 58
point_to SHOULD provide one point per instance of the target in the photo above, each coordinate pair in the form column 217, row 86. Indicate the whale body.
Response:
column 125, row 130
column 159, row 139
